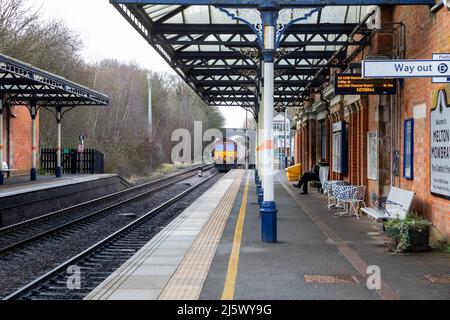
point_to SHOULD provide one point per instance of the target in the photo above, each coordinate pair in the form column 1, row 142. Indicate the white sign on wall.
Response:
column 440, row 146
column 405, row 68
column 441, row 56
column 372, row 155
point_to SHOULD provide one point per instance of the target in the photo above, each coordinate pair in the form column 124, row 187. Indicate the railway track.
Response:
column 26, row 232
column 101, row 259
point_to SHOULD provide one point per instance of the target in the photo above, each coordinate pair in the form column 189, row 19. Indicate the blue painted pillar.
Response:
column 268, row 206
column 33, row 111
column 58, row 146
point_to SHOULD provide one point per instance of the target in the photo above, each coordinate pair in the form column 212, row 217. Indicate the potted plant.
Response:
column 408, row 235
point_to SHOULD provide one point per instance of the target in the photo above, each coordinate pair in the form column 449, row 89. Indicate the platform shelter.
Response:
column 260, row 55
column 22, row 84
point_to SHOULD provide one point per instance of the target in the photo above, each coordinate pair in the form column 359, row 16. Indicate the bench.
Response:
column 323, row 176
column 6, row 169
column 397, row 205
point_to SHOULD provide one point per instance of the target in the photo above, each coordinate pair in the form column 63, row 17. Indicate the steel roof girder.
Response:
column 232, row 55
column 242, row 29
column 278, row 4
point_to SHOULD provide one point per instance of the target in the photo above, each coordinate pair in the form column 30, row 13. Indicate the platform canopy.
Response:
column 211, row 45
column 23, row 83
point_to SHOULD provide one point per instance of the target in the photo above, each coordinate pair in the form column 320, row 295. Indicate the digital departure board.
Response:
column 355, row 84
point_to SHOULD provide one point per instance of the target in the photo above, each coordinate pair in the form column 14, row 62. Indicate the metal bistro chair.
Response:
column 357, row 200
column 344, row 194
column 329, row 191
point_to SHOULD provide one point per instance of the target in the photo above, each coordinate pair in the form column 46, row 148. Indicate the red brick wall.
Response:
column 363, row 129
column 353, row 149
column 312, row 145
column 20, row 140
column 297, row 147
column 425, row 34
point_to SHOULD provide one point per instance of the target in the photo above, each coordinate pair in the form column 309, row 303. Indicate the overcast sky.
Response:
column 106, row 34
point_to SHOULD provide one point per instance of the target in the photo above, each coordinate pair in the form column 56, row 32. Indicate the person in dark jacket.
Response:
column 311, row 176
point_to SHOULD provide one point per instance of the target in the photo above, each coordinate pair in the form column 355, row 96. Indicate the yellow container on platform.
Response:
column 293, row 173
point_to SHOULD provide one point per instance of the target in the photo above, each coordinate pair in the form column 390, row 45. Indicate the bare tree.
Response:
column 119, row 131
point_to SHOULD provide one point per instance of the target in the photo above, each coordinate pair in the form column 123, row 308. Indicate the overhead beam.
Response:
column 232, row 83
column 284, row 44
column 277, row 3
column 219, row 93
column 211, row 55
column 199, row 28
column 230, row 72
column 247, row 99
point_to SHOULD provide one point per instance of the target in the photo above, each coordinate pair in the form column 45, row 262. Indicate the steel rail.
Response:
column 102, row 198
column 108, row 240
column 96, row 213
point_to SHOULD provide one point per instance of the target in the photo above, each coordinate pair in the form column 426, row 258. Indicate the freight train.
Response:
column 225, row 155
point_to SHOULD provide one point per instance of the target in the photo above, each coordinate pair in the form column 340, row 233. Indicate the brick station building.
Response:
column 17, row 139
column 407, row 32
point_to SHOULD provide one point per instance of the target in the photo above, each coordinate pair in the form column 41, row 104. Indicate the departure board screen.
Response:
column 354, row 84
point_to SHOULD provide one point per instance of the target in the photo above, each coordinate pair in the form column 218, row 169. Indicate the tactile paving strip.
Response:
column 188, row 280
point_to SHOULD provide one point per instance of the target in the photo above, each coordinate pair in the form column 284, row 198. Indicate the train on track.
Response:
column 225, row 155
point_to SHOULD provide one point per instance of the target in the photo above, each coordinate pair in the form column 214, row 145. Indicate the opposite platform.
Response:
column 12, row 188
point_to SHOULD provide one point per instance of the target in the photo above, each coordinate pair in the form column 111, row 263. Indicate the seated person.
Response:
column 311, row 176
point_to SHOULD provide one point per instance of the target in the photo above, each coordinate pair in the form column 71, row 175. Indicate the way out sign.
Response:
column 441, row 56
column 405, row 68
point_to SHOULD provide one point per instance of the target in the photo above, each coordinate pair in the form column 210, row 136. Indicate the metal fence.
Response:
column 91, row 161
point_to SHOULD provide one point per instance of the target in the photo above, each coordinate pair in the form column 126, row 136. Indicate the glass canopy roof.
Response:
column 219, row 57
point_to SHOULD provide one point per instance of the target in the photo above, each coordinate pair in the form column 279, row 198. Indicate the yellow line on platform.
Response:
column 230, row 281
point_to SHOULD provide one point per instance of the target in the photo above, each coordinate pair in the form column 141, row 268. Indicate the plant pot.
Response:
column 419, row 239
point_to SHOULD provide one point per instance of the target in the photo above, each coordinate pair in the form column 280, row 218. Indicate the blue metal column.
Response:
column 269, row 39
column 259, row 182
column 268, row 206
column 33, row 111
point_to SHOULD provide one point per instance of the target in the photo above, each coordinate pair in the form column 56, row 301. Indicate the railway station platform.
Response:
column 22, row 184
column 213, row 250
